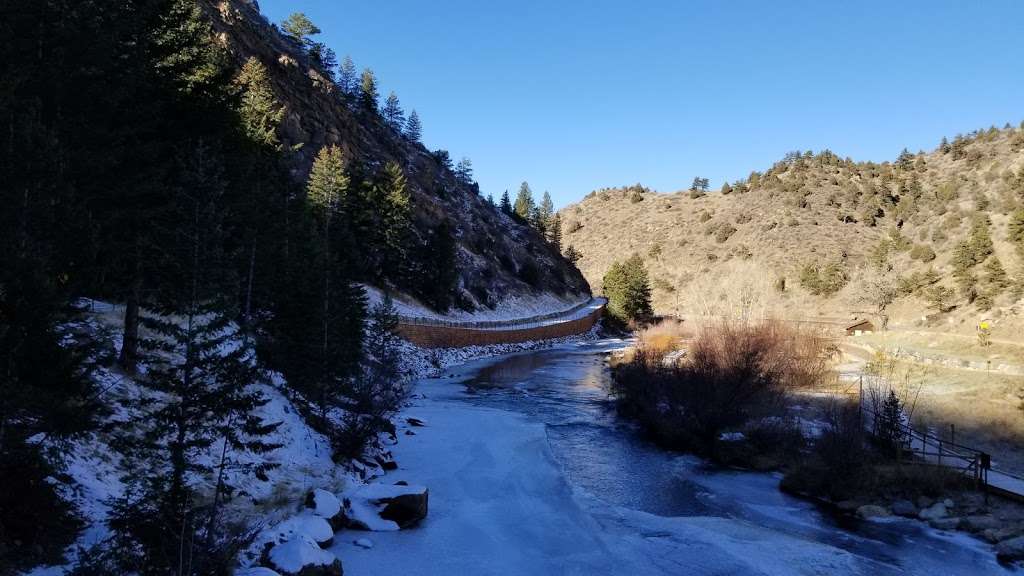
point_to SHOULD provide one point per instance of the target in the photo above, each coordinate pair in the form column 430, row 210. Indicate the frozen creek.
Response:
column 531, row 472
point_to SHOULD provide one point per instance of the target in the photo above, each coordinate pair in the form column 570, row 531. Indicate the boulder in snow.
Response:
column 301, row 556
column 323, row 503
column 933, row 512
column 327, row 506
column 256, row 571
column 363, row 543
column 979, row 523
column 383, row 507
column 944, row 523
column 904, row 508
column 413, row 421
column 318, row 529
column 872, row 511
column 1010, row 550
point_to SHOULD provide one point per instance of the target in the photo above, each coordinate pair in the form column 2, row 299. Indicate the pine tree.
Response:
column 397, row 215
column 368, row 95
column 1015, row 230
column 464, row 171
column 299, row 26
column 524, row 207
column 347, row 79
column 381, row 387
column 628, row 290
column 198, row 360
column 261, row 115
column 320, row 323
column 506, row 204
column 393, row 114
column 327, row 189
column 324, row 57
column 261, row 112
column 438, row 272
column 555, row 232
column 413, row 128
column 572, row 254
column 547, row 211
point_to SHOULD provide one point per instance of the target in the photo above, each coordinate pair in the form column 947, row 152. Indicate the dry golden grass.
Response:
column 780, row 229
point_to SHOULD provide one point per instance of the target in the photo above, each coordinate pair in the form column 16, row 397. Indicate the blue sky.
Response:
column 572, row 96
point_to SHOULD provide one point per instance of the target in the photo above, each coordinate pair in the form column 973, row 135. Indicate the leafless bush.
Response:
column 733, row 372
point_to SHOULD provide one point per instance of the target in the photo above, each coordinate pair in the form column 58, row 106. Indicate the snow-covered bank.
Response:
column 511, row 308
column 93, row 467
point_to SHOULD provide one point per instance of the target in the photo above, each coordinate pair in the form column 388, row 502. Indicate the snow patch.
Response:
column 301, row 551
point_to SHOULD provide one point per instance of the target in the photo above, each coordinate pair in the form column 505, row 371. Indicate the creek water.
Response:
column 546, row 449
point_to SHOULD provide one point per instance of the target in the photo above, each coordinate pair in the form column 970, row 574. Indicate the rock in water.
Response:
column 363, row 543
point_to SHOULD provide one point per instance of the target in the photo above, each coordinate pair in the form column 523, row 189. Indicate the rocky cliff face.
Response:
column 497, row 257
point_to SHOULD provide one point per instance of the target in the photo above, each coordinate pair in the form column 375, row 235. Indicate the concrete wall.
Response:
column 452, row 337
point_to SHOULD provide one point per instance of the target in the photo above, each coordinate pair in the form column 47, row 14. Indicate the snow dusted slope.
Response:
column 512, row 307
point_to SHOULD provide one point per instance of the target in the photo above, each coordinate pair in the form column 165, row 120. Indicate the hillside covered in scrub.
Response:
column 937, row 233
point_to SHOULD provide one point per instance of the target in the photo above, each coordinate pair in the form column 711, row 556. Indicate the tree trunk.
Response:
column 130, row 340
column 247, row 317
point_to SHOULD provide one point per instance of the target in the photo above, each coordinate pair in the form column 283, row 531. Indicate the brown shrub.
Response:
column 732, row 372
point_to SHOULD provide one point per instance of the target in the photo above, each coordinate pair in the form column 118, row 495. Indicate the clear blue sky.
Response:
column 577, row 95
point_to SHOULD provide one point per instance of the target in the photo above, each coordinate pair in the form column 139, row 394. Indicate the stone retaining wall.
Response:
column 454, row 337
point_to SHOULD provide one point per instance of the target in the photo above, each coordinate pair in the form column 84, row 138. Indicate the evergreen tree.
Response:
column 524, row 207
column 506, row 204
column 347, row 79
column 628, row 289
column 1015, row 230
column 572, row 254
column 368, row 95
column 205, row 371
column 261, row 115
column 299, row 26
column 393, row 114
column 438, row 272
column 324, row 57
column 413, row 128
column 726, row 188
column 547, row 211
column 317, row 321
column 464, row 171
column 260, row 111
column 381, row 387
column 397, row 215
column 555, row 232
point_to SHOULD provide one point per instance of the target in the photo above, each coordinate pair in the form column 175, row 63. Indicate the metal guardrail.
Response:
column 424, row 321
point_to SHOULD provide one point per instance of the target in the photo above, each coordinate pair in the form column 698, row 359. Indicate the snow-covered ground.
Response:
column 511, row 308
column 95, row 468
